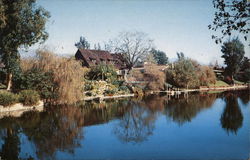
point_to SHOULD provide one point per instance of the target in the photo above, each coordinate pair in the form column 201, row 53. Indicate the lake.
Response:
column 195, row 126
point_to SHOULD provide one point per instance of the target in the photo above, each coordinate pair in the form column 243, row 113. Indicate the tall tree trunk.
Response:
column 9, row 81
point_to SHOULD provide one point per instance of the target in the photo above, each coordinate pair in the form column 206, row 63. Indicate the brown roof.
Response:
column 95, row 57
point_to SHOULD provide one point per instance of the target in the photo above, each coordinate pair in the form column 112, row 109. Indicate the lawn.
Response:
column 2, row 86
column 238, row 82
column 219, row 83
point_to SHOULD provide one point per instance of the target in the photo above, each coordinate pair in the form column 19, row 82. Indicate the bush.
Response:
column 109, row 91
column 206, row 75
column 7, row 98
column 29, row 97
column 155, row 77
column 36, row 79
column 102, row 72
column 118, row 83
column 183, row 74
column 138, row 91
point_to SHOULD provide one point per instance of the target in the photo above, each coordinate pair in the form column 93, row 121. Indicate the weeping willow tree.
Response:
column 68, row 75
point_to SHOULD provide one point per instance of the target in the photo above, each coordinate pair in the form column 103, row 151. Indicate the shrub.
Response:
column 138, row 91
column 88, row 86
column 109, row 92
column 183, row 74
column 102, row 72
column 155, row 77
column 7, row 98
column 206, row 75
column 36, row 79
column 29, row 97
column 118, row 83
column 123, row 88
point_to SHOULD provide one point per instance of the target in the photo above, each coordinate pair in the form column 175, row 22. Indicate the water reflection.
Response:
column 61, row 128
column 9, row 136
column 135, row 125
column 185, row 109
column 231, row 118
column 57, row 129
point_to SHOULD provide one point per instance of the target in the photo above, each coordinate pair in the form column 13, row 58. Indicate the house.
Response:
column 95, row 57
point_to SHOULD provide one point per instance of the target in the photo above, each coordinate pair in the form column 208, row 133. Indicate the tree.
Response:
column 83, row 43
column 230, row 15
column 245, row 69
column 206, row 75
column 233, row 53
column 136, row 125
column 2, row 15
column 97, row 46
column 183, row 74
column 160, row 56
column 134, row 46
column 22, row 24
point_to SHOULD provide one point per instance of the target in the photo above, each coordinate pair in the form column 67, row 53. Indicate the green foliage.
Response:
column 94, row 88
column 233, row 54
column 8, row 98
column 2, row 86
column 88, row 85
column 22, row 24
column 83, row 43
column 124, row 88
column 118, row 83
column 230, row 15
column 183, row 74
column 110, row 91
column 219, row 83
column 245, row 70
column 38, row 80
column 103, row 72
column 29, row 97
column 160, row 57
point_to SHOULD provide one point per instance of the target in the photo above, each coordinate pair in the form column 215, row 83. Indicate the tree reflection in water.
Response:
column 61, row 128
column 185, row 109
column 9, row 136
column 136, row 124
column 50, row 131
column 231, row 118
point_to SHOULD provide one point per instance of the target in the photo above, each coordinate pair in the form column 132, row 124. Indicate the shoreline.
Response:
column 102, row 97
column 206, row 89
column 18, row 109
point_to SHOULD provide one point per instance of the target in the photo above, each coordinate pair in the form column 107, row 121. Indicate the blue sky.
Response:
column 174, row 25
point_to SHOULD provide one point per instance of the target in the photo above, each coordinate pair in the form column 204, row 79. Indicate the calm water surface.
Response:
column 200, row 126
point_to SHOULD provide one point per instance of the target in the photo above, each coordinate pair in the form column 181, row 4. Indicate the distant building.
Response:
column 95, row 57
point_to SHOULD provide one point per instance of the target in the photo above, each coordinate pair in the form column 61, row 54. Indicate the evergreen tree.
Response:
column 233, row 54
column 22, row 24
column 83, row 43
column 160, row 56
